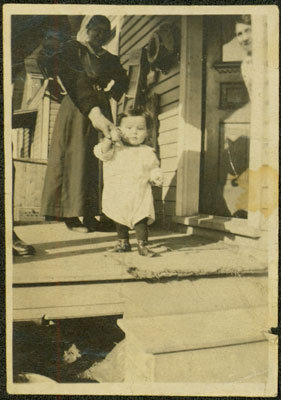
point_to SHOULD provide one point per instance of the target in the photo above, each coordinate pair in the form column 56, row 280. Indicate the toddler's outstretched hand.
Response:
column 157, row 182
column 156, row 177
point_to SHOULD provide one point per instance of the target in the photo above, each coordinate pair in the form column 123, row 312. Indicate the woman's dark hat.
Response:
column 98, row 19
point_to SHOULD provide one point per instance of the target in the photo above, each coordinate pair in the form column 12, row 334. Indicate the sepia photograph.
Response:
column 156, row 274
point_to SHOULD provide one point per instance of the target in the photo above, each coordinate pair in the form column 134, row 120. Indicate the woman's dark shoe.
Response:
column 94, row 225
column 144, row 250
column 20, row 248
column 122, row 246
column 75, row 225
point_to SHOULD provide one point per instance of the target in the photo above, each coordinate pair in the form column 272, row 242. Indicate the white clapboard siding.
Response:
column 167, row 193
column 168, row 121
column 169, row 179
column 170, row 106
column 128, row 23
column 168, row 137
column 169, row 164
column 139, row 33
column 167, row 140
column 168, row 150
column 165, row 208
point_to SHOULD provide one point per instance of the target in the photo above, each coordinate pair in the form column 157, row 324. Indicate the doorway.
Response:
column 226, row 122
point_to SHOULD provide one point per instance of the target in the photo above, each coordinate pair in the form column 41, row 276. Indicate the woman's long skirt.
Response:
column 71, row 185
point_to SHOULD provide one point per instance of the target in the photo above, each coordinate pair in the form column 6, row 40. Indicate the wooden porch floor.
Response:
column 66, row 256
column 72, row 275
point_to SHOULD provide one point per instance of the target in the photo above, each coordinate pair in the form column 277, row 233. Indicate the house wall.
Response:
column 18, row 88
column 135, row 33
column 29, row 179
column 29, row 149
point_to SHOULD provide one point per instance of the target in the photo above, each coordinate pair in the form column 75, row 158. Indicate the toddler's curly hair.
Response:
column 136, row 112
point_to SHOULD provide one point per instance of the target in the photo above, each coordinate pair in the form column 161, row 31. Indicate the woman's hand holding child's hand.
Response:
column 100, row 122
column 116, row 134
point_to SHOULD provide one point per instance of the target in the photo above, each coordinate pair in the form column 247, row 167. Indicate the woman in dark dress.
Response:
column 71, row 182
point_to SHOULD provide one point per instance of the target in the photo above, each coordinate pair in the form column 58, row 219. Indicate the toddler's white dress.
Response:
column 127, row 194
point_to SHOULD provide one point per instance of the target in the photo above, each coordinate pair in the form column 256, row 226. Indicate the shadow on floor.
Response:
column 174, row 243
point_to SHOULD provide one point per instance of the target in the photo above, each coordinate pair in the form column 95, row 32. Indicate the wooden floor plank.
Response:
column 67, row 301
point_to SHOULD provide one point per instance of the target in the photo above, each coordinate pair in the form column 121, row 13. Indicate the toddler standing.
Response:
column 130, row 167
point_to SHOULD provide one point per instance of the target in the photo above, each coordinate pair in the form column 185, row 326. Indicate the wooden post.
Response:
column 190, row 106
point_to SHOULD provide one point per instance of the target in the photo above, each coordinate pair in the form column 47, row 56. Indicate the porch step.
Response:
column 235, row 226
column 194, row 295
column 224, row 345
column 238, row 235
column 184, row 332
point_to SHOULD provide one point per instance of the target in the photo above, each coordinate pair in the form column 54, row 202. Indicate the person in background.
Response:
column 240, row 169
column 84, row 72
column 130, row 168
column 243, row 30
column 21, row 248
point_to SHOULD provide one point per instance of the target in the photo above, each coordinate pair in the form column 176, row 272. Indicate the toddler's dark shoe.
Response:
column 122, row 246
column 144, row 250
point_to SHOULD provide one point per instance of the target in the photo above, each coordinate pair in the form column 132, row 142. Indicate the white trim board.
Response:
column 225, row 224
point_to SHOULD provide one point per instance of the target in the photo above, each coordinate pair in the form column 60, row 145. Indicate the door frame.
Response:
column 190, row 137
